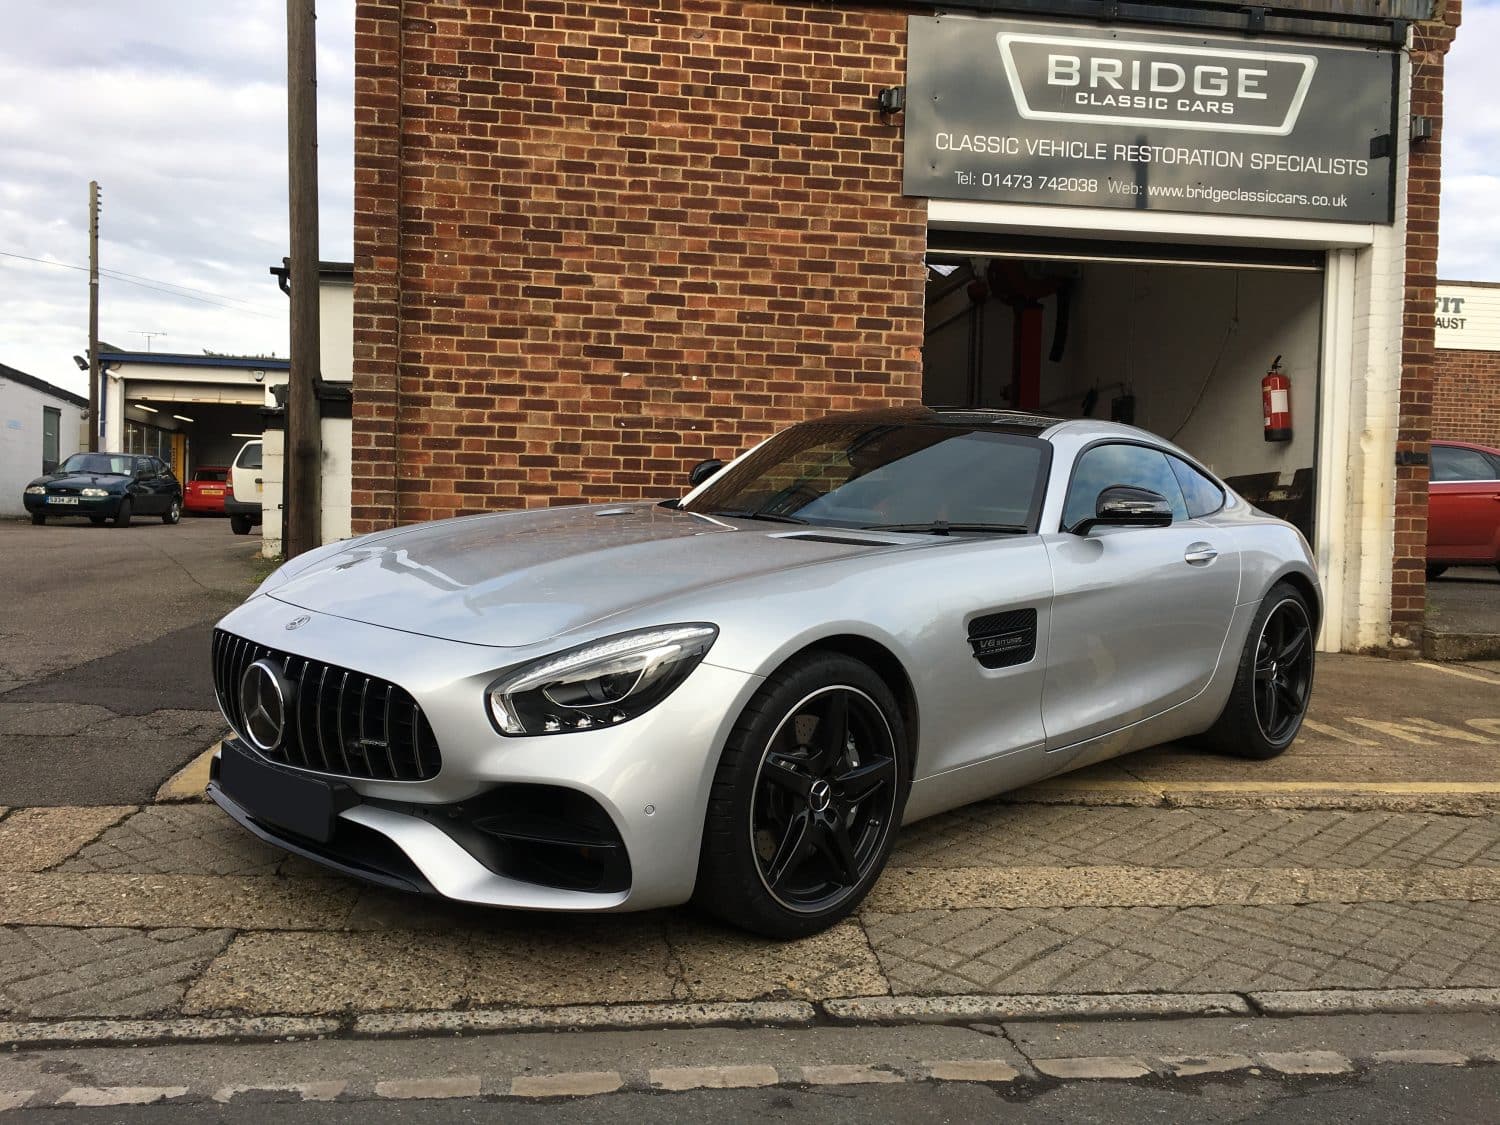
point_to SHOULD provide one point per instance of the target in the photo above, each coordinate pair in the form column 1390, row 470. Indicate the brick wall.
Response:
column 1430, row 44
column 595, row 243
column 1466, row 395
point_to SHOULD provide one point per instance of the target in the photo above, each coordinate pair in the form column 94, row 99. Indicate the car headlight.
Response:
column 599, row 684
column 36, row 490
column 95, row 492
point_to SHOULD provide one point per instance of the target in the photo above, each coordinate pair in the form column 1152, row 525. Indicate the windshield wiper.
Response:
column 769, row 517
column 943, row 527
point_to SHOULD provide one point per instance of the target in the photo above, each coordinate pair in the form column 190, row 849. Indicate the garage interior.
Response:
column 187, row 431
column 1174, row 341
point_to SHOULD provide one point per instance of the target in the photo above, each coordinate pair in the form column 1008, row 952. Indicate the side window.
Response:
column 1106, row 465
column 249, row 457
column 146, row 466
column 1452, row 463
column 1203, row 496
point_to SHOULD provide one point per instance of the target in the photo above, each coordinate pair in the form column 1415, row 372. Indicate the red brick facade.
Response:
column 1408, row 574
column 1466, row 396
column 596, row 242
column 631, row 236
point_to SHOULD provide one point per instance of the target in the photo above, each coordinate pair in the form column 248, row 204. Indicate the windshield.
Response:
column 873, row 474
column 96, row 463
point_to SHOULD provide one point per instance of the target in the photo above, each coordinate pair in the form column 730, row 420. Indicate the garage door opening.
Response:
column 1176, row 343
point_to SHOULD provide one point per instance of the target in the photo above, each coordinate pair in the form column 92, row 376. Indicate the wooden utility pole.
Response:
column 93, row 316
column 301, row 506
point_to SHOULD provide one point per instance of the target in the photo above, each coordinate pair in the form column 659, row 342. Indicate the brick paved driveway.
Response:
column 172, row 909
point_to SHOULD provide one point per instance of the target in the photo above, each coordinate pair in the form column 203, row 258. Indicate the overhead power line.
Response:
column 171, row 289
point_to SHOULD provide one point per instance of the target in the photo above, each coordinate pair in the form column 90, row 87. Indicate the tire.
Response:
column 811, row 817
column 97, row 521
column 38, row 518
column 1435, row 570
column 173, row 514
column 240, row 525
column 1245, row 729
column 122, row 516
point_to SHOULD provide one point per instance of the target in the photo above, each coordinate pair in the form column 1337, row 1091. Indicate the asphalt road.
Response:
column 1370, row 1092
column 1395, row 1095
column 104, row 685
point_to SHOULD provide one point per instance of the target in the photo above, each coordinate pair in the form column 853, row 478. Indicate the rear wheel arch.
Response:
column 1310, row 594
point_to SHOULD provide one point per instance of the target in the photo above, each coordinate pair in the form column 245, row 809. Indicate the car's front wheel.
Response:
column 122, row 514
column 1273, row 682
column 38, row 518
column 806, row 801
column 173, row 513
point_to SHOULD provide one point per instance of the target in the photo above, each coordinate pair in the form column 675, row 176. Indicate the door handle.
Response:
column 1200, row 554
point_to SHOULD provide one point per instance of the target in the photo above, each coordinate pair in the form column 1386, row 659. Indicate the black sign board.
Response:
column 1092, row 116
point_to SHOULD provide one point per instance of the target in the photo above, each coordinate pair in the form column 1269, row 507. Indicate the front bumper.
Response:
column 86, row 506
column 649, row 777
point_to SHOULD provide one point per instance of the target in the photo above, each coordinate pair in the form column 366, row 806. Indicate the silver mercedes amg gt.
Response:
column 736, row 697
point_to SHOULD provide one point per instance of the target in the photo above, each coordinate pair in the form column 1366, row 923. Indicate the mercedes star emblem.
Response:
column 263, row 703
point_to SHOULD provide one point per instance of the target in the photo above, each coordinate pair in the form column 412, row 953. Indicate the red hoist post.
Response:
column 1276, row 399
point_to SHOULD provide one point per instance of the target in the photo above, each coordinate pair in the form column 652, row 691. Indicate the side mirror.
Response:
column 703, row 470
column 1122, row 505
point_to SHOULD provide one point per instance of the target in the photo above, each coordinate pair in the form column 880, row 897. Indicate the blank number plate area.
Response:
column 305, row 806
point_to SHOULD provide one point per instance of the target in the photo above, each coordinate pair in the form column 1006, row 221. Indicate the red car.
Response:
column 1463, row 506
column 204, row 493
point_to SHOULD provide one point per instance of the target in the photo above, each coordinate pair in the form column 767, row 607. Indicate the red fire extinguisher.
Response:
column 1276, row 398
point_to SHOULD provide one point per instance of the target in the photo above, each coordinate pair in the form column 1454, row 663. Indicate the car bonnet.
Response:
column 518, row 579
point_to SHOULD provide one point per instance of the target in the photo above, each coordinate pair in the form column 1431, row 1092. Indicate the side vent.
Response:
column 1000, row 640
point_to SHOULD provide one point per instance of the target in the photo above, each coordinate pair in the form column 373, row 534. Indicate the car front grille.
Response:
column 337, row 721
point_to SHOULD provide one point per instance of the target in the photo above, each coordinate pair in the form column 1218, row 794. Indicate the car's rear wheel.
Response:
column 173, row 513
column 1435, row 571
column 1273, row 683
column 122, row 515
column 806, row 800
column 38, row 518
column 240, row 525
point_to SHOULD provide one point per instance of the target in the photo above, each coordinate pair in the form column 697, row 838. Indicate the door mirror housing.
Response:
column 1123, row 505
column 703, row 470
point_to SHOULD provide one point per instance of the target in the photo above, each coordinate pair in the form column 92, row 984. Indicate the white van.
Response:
column 242, row 505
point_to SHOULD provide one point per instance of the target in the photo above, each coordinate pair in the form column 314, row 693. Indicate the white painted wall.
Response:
column 1159, row 330
column 21, row 438
column 336, row 358
column 1468, row 316
column 337, row 483
column 336, row 329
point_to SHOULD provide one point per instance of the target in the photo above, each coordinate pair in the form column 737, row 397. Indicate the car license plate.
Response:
column 213, row 492
column 62, row 499
column 305, row 806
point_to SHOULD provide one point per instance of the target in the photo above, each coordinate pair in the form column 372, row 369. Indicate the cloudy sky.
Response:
column 178, row 109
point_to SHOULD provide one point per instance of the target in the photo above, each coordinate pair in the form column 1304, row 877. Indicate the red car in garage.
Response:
column 204, row 494
column 1463, row 506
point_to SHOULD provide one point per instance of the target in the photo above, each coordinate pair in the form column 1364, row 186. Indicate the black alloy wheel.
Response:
column 824, row 799
column 1283, row 671
column 806, row 799
column 1272, row 681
